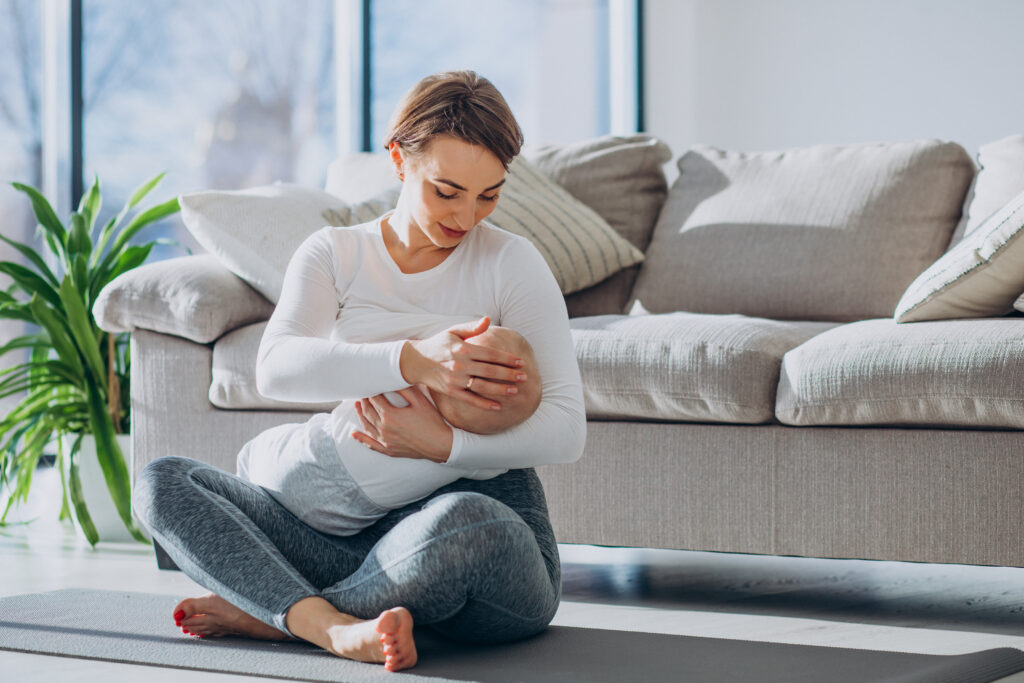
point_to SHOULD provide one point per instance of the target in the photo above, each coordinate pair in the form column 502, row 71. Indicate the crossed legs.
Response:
column 476, row 561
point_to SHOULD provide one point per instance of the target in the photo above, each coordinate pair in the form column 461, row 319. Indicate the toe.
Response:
column 388, row 622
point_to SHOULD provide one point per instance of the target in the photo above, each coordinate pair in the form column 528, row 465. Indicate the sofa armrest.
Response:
column 194, row 297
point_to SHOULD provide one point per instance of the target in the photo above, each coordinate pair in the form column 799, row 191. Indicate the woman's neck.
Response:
column 408, row 246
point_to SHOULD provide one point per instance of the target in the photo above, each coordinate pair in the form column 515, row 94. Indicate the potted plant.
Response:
column 76, row 376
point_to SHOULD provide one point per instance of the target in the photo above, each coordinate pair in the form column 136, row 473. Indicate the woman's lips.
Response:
column 451, row 233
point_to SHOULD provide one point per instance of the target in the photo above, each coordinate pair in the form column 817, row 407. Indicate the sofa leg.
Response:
column 163, row 560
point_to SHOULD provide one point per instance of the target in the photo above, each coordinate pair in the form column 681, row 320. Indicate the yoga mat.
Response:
column 137, row 628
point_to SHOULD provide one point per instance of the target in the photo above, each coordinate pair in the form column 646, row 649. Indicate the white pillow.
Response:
column 979, row 277
column 254, row 232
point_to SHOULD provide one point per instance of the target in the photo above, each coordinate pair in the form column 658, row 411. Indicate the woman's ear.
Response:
column 395, row 150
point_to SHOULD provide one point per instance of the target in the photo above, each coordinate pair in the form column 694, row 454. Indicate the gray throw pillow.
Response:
column 821, row 233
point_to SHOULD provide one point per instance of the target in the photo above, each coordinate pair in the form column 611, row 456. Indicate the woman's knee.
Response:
column 157, row 481
column 463, row 509
column 482, row 531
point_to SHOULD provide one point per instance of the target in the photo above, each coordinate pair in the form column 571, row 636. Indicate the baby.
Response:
column 339, row 486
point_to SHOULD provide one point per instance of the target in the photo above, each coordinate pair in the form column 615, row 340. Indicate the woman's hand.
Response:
column 447, row 363
column 414, row 431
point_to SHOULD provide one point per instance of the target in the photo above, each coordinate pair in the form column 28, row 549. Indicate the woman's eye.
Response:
column 493, row 198
column 442, row 195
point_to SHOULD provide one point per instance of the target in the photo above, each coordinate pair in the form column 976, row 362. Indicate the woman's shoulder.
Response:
column 502, row 242
column 360, row 232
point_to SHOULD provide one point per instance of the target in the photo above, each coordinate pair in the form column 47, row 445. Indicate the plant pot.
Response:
column 94, row 487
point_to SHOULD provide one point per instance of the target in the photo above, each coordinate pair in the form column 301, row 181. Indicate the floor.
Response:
column 935, row 609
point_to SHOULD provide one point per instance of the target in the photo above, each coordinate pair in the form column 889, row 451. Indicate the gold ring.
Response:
column 469, row 384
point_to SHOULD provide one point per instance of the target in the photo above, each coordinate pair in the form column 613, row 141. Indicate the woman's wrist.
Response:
column 445, row 446
column 409, row 361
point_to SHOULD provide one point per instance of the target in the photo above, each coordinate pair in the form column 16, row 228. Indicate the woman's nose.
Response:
column 464, row 216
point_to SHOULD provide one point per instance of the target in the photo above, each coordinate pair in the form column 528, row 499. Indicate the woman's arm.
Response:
column 297, row 360
column 532, row 305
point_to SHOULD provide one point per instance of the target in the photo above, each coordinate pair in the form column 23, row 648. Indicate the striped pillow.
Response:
column 580, row 247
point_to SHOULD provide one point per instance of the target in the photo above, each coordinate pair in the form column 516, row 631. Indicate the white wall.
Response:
column 769, row 74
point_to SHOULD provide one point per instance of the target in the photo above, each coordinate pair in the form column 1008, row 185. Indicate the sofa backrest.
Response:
column 830, row 232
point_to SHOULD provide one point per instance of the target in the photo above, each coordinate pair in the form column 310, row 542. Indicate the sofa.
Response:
column 808, row 352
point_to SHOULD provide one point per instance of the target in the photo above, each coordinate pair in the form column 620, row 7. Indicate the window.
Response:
column 221, row 95
column 228, row 94
column 549, row 58
column 20, row 139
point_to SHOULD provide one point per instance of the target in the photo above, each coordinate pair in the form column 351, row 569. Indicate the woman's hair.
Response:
column 457, row 103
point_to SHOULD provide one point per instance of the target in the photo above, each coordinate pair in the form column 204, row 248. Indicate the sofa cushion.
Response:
column 821, row 233
column 980, row 277
column 684, row 366
column 1000, row 178
column 955, row 373
column 194, row 297
column 623, row 180
column 233, row 374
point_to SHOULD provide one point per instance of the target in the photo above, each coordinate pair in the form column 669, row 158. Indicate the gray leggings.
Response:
column 476, row 560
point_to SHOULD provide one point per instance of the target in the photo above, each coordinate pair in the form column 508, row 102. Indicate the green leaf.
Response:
column 29, row 282
column 78, row 500
column 56, row 247
column 142, row 191
column 43, row 211
column 78, row 240
column 58, row 333
column 65, row 511
column 31, row 254
column 83, row 334
column 25, row 342
column 80, row 280
column 114, row 222
column 19, row 312
column 150, row 215
column 105, row 234
column 90, row 204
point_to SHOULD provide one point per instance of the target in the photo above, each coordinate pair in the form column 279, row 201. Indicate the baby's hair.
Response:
column 515, row 408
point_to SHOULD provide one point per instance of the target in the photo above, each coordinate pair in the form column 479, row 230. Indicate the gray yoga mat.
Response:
column 136, row 627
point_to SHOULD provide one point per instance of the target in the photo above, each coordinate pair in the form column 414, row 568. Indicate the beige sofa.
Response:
column 761, row 398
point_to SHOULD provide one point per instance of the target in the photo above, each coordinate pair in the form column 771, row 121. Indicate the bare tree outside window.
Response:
column 20, row 141
column 223, row 94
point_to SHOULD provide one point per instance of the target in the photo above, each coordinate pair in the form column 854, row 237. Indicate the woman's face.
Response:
column 449, row 188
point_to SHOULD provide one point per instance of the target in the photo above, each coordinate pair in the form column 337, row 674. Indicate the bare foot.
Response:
column 212, row 615
column 395, row 629
column 385, row 640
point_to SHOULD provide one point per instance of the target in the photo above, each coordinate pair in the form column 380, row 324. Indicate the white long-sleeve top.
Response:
column 346, row 310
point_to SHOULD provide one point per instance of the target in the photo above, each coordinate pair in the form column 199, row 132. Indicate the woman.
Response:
column 476, row 559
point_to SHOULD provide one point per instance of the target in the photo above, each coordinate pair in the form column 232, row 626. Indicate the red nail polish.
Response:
column 179, row 615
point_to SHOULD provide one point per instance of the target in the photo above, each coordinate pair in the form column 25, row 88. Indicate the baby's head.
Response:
column 515, row 408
